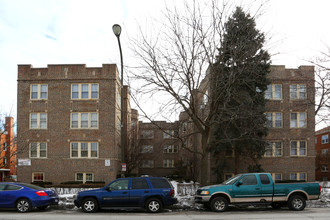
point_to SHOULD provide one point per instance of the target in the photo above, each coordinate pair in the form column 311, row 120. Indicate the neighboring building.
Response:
column 68, row 123
column 7, row 151
column 322, row 161
column 159, row 148
column 290, row 154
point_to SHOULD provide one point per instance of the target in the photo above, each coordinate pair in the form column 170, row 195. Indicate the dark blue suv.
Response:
column 151, row 193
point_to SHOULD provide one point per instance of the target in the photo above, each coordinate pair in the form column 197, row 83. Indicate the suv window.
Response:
column 139, row 184
column 264, row 179
column 160, row 183
column 119, row 185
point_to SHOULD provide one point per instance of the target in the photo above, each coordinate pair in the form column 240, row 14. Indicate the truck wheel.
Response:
column 23, row 205
column 297, row 203
column 154, row 205
column 219, row 204
column 89, row 205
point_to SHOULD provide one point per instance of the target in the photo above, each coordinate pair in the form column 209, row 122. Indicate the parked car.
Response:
column 24, row 197
column 151, row 193
column 256, row 189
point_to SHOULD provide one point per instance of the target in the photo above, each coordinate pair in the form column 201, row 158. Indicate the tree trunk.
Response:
column 205, row 162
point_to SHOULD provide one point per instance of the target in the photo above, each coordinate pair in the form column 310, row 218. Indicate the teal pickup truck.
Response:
column 257, row 189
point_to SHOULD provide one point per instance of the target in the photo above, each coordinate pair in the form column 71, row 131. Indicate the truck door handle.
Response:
column 146, row 191
column 257, row 188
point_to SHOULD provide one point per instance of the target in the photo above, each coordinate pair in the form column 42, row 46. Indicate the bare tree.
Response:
column 174, row 66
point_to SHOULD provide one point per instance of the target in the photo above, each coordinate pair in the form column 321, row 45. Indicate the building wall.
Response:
column 322, row 161
column 58, row 166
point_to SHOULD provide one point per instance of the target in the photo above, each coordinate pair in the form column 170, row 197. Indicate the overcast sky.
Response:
column 79, row 31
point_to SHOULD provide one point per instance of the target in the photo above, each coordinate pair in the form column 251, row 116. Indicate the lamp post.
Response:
column 117, row 31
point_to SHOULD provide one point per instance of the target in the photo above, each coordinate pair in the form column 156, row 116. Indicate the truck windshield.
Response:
column 232, row 180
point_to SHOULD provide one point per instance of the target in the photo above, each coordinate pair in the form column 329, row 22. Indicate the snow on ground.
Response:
column 185, row 193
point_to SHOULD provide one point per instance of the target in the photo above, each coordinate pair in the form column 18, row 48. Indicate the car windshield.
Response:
column 232, row 180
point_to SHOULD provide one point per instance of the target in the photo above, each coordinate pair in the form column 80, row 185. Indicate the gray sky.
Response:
column 79, row 31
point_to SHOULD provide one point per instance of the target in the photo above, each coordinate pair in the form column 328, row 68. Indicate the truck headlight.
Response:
column 205, row 192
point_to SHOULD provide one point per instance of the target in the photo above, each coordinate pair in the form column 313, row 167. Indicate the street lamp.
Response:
column 117, row 31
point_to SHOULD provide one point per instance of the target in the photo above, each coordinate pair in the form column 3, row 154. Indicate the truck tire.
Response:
column 89, row 205
column 219, row 204
column 297, row 203
column 153, row 205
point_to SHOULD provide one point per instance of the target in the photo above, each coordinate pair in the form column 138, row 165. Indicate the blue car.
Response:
column 24, row 197
column 151, row 193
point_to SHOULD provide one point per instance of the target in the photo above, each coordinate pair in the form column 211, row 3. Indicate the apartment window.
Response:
column 228, row 176
column 170, row 149
column 169, row 134
column 274, row 91
column 147, row 164
column 325, row 151
column 85, row 91
column 298, row 176
column 274, row 119
column 38, row 177
column 147, row 134
column 298, row 120
column 38, row 150
column 84, row 150
column 39, row 91
column 38, row 120
column 273, row 149
column 168, row 163
column 87, row 120
column 85, row 177
column 324, row 168
column 147, row 149
column 325, row 139
column 298, row 148
column 277, row 177
column 4, row 148
column 298, row 91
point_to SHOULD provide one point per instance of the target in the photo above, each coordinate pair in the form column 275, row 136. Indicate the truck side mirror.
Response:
column 239, row 183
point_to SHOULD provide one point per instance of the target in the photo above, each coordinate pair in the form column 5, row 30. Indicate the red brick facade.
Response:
column 322, row 161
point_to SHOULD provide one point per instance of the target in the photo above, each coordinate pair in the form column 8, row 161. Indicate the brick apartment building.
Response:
column 159, row 148
column 7, row 151
column 290, row 154
column 69, row 123
column 322, row 161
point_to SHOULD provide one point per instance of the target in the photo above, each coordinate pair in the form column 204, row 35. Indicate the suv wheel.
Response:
column 89, row 205
column 297, row 203
column 23, row 205
column 219, row 204
column 154, row 205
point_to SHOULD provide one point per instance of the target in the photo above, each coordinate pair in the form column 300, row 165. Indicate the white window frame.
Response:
column 298, row 176
column 325, row 151
column 273, row 92
column 146, row 149
column 324, row 169
column 89, row 91
column 274, row 119
column 38, row 120
column 325, row 140
column 298, row 120
column 147, row 134
column 273, row 148
column 84, row 180
column 89, row 149
column 170, row 149
column 274, row 176
column 297, row 93
column 147, row 164
column 168, row 163
column 298, row 148
column 38, row 149
column 38, row 92
column 43, row 177
column 168, row 134
column 89, row 126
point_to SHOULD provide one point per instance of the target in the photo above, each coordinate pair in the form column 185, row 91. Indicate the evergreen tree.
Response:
column 239, row 80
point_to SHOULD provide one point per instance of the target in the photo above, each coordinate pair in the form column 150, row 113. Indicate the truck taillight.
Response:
column 320, row 188
column 172, row 193
column 41, row 193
